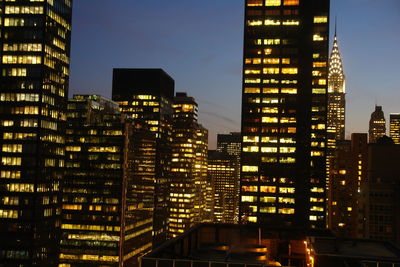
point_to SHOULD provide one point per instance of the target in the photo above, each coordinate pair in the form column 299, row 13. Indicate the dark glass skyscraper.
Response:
column 283, row 172
column 34, row 72
column 146, row 95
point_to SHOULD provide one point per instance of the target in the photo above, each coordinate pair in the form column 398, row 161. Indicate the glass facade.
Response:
column 188, row 188
column 284, row 116
column 108, row 193
column 34, row 71
column 395, row 128
column 146, row 95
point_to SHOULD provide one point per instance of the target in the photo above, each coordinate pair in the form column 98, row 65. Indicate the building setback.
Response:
column 283, row 172
column 188, row 188
column 34, row 69
column 395, row 128
column 377, row 125
column 108, row 194
column 146, row 95
column 222, row 171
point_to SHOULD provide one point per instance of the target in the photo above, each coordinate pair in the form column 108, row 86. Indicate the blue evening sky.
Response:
column 199, row 43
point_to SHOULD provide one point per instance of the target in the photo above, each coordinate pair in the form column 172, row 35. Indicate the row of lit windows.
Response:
column 32, row 47
column 272, row 71
column 24, row 10
column 257, row 61
column 8, row 214
column 253, row 3
column 273, row 22
column 19, row 97
column 268, row 139
column 283, row 150
column 264, row 189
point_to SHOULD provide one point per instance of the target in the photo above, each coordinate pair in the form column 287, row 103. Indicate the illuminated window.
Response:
column 272, row 2
column 252, row 219
column 271, row 70
column 271, row 60
column 269, row 120
column 289, row 91
column 254, row 22
column 249, row 199
column 251, row 138
column 286, row 200
column 268, row 189
column 251, row 90
column 286, row 190
column 269, row 110
column 249, row 188
column 318, row 37
column 250, row 168
column 269, row 149
column 268, row 199
column 254, row 2
column 286, row 211
column 268, row 209
column 270, row 90
column 289, row 70
column 272, row 22
column 320, row 19
column 291, row 2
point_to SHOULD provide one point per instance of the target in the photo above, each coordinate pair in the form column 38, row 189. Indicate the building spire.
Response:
column 335, row 25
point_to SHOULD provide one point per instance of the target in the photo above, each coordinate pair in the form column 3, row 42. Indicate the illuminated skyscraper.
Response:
column 336, row 95
column 336, row 104
column 146, row 95
column 395, row 128
column 108, row 193
column 377, row 125
column 283, row 172
column 34, row 69
column 222, row 171
column 188, row 189
column 231, row 145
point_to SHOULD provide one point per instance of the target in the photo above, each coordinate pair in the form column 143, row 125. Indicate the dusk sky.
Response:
column 200, row 43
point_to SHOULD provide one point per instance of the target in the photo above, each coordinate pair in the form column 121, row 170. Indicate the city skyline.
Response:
column 187, row 45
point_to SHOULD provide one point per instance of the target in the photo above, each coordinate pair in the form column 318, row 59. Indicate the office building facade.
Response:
column 222, row 172
column 284, row 116
column 146, row 95
column 108, row 192
column 34, row 69
column 188, row 187
column 395, row 128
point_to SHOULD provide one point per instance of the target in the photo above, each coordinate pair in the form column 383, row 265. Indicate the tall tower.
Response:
column 188, row 187
column 395, row 128
column 34, row 69
column 377, row 125
column 283, row 172
column 336, row 104
column 336, row 95
column 146, row 95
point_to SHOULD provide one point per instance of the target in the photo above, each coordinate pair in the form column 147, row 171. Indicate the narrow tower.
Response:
column 377, row 125
column 336, row 95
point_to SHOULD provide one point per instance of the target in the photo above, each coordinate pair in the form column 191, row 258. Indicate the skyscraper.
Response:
column 188, row 187
column 395, row 128
column 283, row 175
column 231, row 144
column 336, row 95
column 222, row 171
column 108, row 192
column 377, row 125
column 35, row 45
column 336, row 104
column 146, row 95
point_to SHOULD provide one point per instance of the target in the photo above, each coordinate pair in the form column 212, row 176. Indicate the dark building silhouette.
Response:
column 381, row 197
column 377, row 125
column 395, row 128
column 34, row 74
column 146, row 95
column 108, row 192
column 285, row 76
column 348, row 174
column 222, row 172
column 188, row 187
